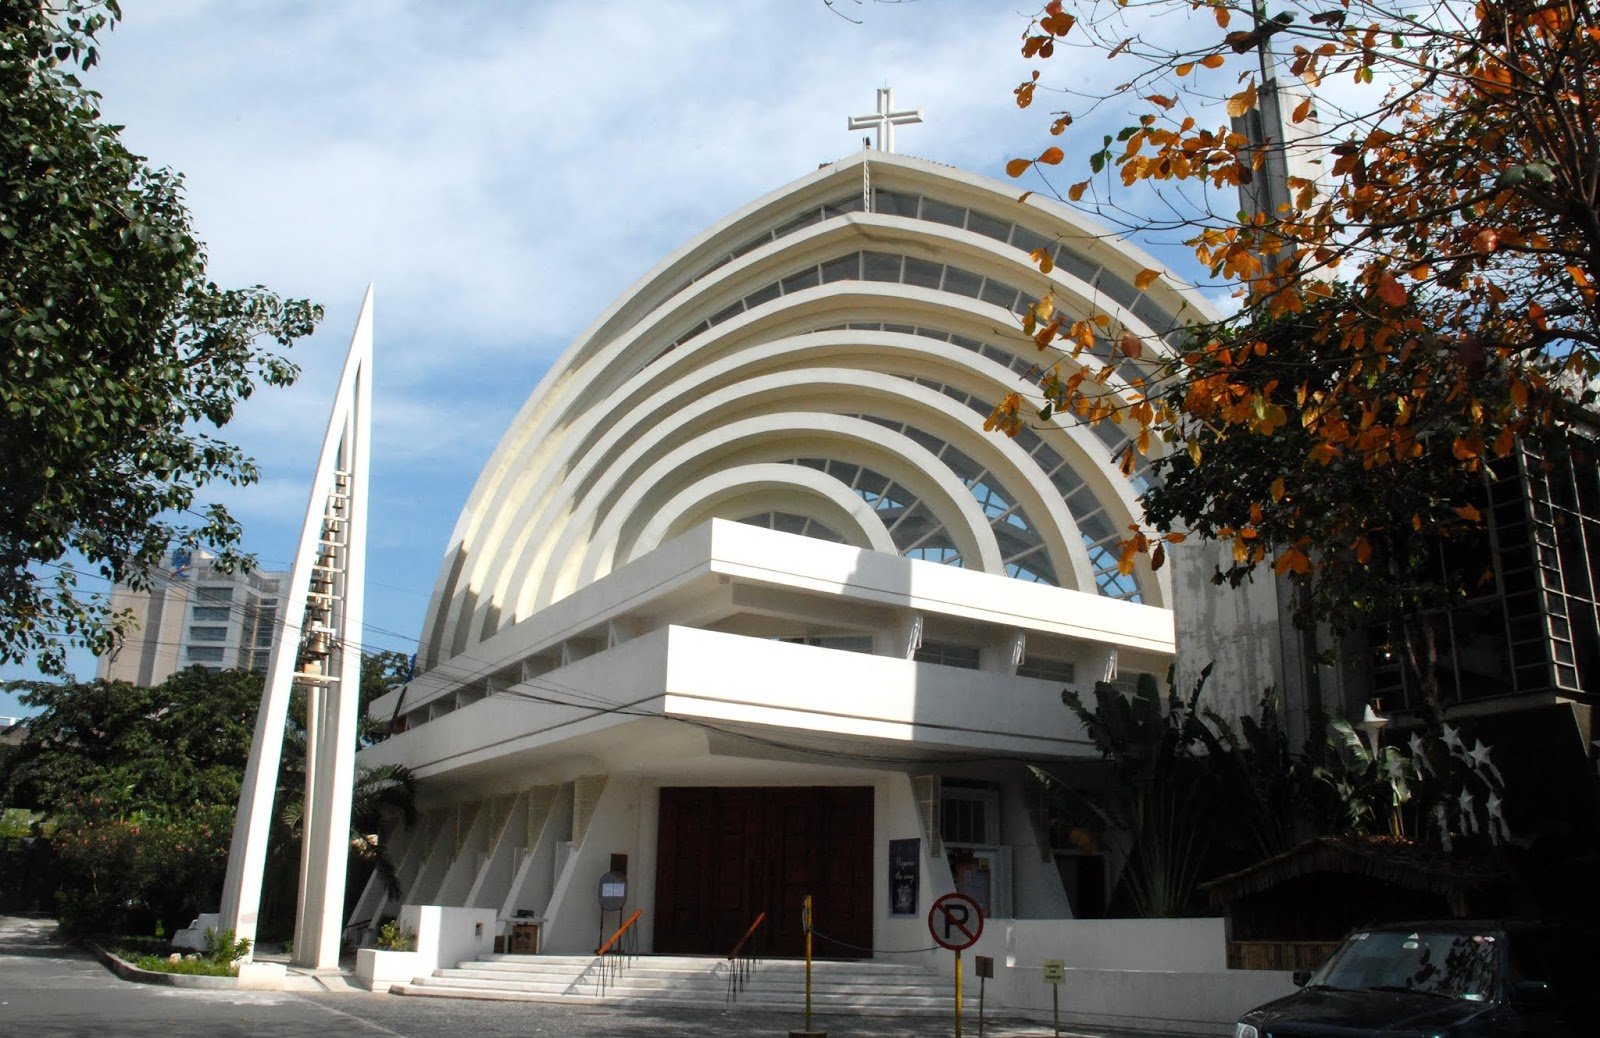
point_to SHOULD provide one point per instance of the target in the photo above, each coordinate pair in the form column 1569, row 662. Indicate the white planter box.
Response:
column 376, row 970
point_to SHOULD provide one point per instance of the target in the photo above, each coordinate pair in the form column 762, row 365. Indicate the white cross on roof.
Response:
column 885, row 119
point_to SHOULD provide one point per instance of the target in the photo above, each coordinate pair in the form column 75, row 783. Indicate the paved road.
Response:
column 50, row 988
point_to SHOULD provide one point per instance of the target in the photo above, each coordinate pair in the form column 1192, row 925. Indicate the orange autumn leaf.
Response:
column 1130, row 345
column 1243, row 101
column 1076, row 191
column 1293, row 560
column 1052, row 156
column 1213, row 61
column 1145, row 278
column 1391, row 291
column 1017, row 167
column 1469, row 513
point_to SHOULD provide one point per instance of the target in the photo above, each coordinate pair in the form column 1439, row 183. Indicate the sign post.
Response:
column 1054, row 973
column 805, row 926
column 985, row 970
column 805, row 922
column 956, row 922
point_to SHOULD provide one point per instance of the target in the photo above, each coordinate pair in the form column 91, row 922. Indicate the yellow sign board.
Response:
column 1055, row 971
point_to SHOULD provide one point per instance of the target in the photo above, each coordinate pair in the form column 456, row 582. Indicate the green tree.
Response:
column 132, row 748
column 1431, row 239
column 119, row 358
column 137, row 787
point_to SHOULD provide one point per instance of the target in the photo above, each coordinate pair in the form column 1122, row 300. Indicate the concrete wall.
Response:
column 1161, row 974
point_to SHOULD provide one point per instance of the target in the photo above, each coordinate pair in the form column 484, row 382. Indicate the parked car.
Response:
column 1439, row 979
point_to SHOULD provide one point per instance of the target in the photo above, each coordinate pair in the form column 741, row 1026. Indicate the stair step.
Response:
column 863, row 987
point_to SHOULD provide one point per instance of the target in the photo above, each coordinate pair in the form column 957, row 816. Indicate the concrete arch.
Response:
column 807, row 491
column 527, row 503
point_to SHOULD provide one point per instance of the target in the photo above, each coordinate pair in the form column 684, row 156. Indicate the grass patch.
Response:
column 187, row 967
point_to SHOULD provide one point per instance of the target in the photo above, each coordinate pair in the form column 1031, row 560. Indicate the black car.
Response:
column 1438, row 979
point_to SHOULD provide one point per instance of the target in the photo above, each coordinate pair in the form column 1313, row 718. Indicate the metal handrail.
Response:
column 637, row 912
column 742, row 964
column 610, row 969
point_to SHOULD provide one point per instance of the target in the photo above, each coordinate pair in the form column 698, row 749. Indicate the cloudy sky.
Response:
column 501, row 171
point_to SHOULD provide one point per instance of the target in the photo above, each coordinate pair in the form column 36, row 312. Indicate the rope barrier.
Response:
column 874, row 951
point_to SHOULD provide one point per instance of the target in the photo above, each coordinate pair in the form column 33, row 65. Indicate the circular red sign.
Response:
column 955, row 921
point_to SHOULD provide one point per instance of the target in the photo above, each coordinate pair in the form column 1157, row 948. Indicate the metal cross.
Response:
column 885, row 119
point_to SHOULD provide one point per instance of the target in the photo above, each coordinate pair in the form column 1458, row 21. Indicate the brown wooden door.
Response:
column 726, row 854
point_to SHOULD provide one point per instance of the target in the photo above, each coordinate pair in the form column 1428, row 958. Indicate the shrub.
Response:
column 392, row 938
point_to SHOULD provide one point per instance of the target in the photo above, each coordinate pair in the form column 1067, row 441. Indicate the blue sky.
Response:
column 502, row 171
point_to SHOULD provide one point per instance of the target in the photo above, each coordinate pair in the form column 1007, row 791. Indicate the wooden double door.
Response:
column 727, row 854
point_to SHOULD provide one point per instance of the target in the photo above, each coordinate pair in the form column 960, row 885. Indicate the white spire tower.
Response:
column 318, row 649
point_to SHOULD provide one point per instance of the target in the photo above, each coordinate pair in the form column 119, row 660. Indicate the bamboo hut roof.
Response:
column 1387, row 859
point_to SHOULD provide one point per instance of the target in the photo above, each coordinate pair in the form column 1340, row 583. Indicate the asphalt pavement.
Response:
column 51, row 987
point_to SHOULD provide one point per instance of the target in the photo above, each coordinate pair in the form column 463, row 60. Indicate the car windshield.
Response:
column 1454, row 965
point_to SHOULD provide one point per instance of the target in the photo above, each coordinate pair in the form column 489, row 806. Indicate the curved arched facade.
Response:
column 748, row 554
column 864, row 344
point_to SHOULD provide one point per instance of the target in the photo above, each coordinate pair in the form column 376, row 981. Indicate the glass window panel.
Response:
column 1029, row 240
column 933, row 443
column 1046, row 456
column 943, row 212
column 988, row 226
column 799, row 282
column 732, row 311
column 962, row 282
column 1067, row 482
column 204, row 653
column 851, row 204
column 845, row 268
column 1000, row 294
column 881, row 266
column 893, row 203
column 964, row 467
column 208, row 634
column 950, row 655
column 1151, row 312
column 1022, row 572
column 923, row 273
column 914, row 525
column 212, row 614
column 1048, row 669
column 1076, row 264
column 1096, row 528
column 764, row 294
column 788, row 522
column 214, row 594
column 1116, row 288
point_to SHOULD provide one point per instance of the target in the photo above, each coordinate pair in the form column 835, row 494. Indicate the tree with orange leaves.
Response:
column 1415, row 266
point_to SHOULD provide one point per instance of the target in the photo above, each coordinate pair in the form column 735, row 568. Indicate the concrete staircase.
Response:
column 857, row 987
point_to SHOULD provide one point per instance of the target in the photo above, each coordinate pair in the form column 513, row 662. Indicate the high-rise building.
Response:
column 194, row 614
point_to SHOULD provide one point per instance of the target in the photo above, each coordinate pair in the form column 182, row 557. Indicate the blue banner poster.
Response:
column 905, row 875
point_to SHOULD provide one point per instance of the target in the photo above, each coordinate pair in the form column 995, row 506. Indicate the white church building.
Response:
column 748, row 605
